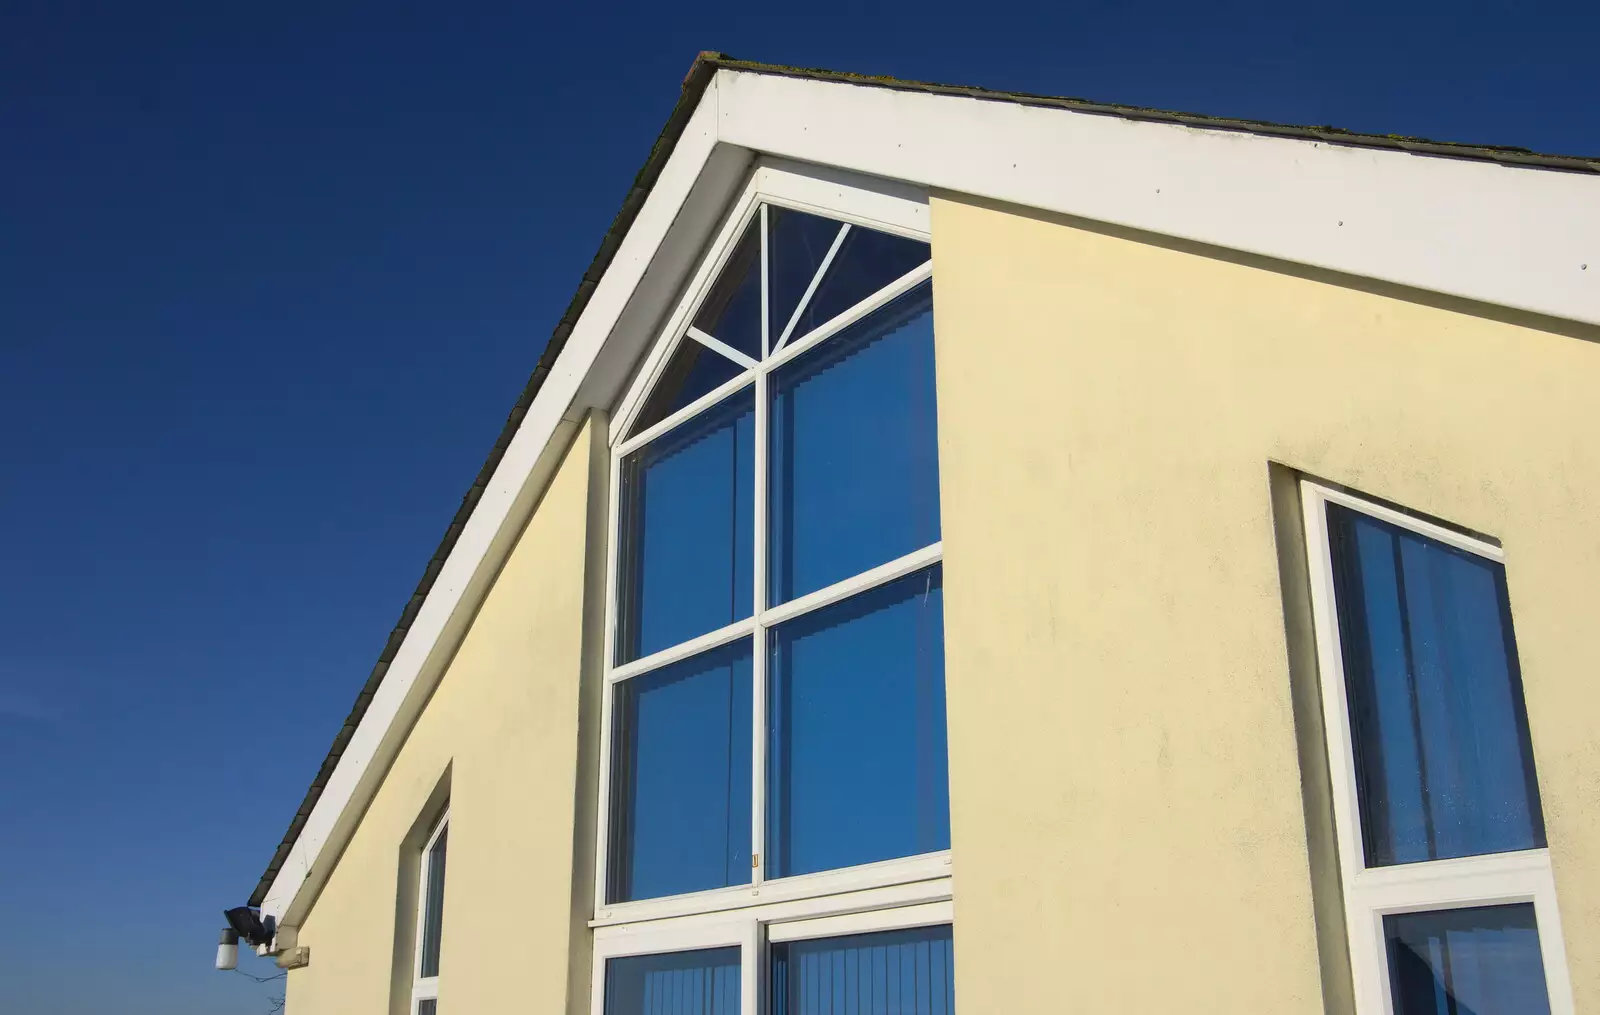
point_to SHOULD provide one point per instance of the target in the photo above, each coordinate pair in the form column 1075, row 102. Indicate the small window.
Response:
column 704, row 982
column 1484, row 960
column 430, row 919
column 895, row 972
column 1449, row 896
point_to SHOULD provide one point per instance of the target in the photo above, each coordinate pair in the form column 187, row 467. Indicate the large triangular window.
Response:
column 776, row 668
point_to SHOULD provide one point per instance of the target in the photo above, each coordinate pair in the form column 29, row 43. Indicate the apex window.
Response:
column 774, row 717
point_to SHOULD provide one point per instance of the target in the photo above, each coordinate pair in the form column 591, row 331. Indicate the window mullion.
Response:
column 758, row 602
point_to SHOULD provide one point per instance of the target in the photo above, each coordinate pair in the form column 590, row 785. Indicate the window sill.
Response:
column 908, row 871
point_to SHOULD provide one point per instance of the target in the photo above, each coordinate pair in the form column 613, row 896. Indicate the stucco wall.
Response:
column 1128, row 828
column 504, row 724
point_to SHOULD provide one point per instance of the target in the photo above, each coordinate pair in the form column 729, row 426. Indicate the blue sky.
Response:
column 271, row 277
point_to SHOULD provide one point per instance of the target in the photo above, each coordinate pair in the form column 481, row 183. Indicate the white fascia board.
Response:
column 1505, row 235
column 515, row 485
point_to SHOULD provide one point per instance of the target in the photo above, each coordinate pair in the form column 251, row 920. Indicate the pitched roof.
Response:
column 695, row 83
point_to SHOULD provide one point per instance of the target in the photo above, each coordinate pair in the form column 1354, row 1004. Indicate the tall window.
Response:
column 775, row 709
column 1449, row 896
column 430, row 920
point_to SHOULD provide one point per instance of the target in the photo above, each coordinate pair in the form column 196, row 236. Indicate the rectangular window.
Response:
column 858, row 763
column 686, row 530
column 1443, row 761
column 430, row 919
column 681, row 768
column 704, row 982
column 895, row 972
column 1484, row 960
column 1449, row 896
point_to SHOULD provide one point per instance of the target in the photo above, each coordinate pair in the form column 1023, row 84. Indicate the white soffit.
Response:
column 1512, row 236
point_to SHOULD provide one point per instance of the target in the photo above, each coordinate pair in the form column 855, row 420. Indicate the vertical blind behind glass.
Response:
column 678, row 983
column 1444, row 766
column 898, row 972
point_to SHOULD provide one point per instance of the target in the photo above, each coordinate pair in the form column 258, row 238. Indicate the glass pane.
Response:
column 687, row 539
column 867, row 261
column 854, row 450
column 433, row 906
column 681, row 983
column 732, row 309
column 897, row 972
column 680, row 773
column 857, row 767
column 692, row 371
column 428, row 1006
column 796, row 244
column 1482, row 961
column 1443, row 762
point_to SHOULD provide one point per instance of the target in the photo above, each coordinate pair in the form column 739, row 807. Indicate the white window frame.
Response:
column 875, row 204
column 426, row 988
column 1370, row 894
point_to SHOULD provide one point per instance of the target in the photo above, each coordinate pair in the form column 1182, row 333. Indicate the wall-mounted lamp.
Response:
column 228, row 950
column 243, row 922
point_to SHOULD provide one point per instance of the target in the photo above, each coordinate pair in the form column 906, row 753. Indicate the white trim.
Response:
column 683, row 650
column 426, row 988
column 883, row 874
column 888, row 294
column 1500, row 234
column 1370, row 894
column 916, row 560
column 816, row 280
column 929, row 914
column 694, row 408
column 717, row 345
column 510, row 494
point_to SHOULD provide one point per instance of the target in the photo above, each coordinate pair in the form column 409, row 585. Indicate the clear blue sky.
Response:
column 271, row 276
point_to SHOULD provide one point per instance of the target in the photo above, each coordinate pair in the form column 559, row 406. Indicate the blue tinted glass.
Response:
column 732, row 309
column 687, row 530
column 897, row 972
column 796, row 244
column 692, row 371
column 680, row 983
column 857, row 766
column 866, row 262
column 1443, row 761
column 680, row 817
column 1482, row 961
column 854, row 450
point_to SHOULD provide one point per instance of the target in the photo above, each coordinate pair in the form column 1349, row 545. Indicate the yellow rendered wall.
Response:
column 504, row 722
column 1128, row 829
